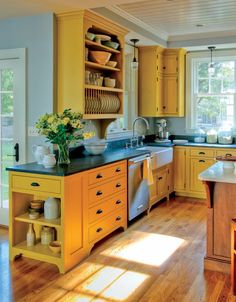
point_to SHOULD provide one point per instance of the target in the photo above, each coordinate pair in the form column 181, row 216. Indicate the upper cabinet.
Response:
column 161, row 81
column 90, row 51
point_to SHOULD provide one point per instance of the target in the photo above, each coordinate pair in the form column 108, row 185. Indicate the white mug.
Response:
column 49, row 160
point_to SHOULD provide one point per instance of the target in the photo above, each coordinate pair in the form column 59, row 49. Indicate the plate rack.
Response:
column 101, row 101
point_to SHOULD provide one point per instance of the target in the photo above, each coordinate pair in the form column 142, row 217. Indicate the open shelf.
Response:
column 37, row 249
column 99, row 66
column 98, row 46
column 103, row 88
column 40, row 221
column 102, row 116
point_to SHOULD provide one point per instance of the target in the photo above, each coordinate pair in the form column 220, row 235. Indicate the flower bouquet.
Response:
column 62, row 129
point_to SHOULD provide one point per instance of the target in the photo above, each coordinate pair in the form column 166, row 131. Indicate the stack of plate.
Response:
column 109, row 103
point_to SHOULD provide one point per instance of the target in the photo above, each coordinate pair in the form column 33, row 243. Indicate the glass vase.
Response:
column 63, row 154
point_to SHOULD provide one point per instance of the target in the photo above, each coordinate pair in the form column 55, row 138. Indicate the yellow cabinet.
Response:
column 180, row 169
column 162, row 184
column 161, row 81
column 78, row 87
column 196, row 166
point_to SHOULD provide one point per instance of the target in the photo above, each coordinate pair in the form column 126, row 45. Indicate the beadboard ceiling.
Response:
column 166, row 22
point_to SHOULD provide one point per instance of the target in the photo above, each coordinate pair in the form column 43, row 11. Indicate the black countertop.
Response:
column 82, row 163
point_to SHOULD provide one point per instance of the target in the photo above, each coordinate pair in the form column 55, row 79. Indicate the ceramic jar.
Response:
column 52, row 208
column 31, row 237
column 39, row 151
column 47, row 235
column 49, row 161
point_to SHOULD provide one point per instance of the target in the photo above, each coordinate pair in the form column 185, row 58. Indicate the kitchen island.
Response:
column 220, row 185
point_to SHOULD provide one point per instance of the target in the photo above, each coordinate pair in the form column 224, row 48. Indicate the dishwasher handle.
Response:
column 138, row 160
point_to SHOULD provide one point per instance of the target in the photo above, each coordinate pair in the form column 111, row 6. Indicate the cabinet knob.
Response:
column 118, row 218
column 164, row 107
column 99, row 211
column 99, row 175
column 118, row 185
column 118, row 201
column 201, row 161
column 35, row 184
column 99, row 230
column 201, row 152
column 164, row 67
column 99, row 193
column 228, row 154
column 159, row 178
column 118, row 169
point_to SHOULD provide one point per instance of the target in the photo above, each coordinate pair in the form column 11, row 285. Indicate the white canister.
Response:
column 49, row 161
column 52, row 208
column 39, row 151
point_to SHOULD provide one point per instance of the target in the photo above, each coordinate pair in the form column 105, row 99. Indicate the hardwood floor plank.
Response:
column 159, row 258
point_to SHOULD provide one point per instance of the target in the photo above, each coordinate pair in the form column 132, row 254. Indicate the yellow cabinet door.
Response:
column 170, row 65
column 162, row 184
column 170, row 106
column 179, row 169
column 198, row 165
column 159, row 95
column 153, row 188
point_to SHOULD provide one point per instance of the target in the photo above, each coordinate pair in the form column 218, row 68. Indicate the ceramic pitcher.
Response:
column 39, row 151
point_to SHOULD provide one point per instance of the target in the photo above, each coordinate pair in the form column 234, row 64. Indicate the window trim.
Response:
column 191, row 58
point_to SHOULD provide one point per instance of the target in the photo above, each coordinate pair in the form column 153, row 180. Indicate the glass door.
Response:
column 12, row 122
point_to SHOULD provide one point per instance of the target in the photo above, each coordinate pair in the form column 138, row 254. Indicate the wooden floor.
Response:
column 159, row 258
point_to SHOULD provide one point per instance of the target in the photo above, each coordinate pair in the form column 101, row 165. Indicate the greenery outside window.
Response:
column 211, row 97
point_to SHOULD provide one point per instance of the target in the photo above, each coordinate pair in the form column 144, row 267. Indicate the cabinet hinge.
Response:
column 185, row 186
column 157, row 108
column 157, row 79
column 176, row 80
column 184, row 152
column 157, row 56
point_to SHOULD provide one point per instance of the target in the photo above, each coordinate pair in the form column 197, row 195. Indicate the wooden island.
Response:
column 220, row 185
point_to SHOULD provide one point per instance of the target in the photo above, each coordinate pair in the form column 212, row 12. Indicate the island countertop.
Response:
column 82, row 163
column 217, row 173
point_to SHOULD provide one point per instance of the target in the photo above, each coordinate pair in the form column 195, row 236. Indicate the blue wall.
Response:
column 35, row 33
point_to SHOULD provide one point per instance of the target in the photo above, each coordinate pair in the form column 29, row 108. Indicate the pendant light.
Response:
column 211, row 68
column 134, row 63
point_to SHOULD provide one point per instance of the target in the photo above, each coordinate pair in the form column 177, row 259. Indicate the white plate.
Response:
column 180, row 141
column 103, row 37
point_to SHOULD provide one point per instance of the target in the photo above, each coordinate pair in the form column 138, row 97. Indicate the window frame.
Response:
column 191, row 59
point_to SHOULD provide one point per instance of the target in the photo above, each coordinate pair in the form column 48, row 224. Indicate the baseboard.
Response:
column 217, row 265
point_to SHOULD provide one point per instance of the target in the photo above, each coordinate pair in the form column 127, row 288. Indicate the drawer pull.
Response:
column 99, row 176
column 228, row 154
column 159, row 178
column 118, row 218
column 201, row 161
column 35, row 184
column 99, row 211
column 118, row 185
column 118, row 169
column 118, row 201
column 99, row 193
column 201, row 152
column 99, row 230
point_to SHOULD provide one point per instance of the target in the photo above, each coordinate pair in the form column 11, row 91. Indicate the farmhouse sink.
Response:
column 160, row 155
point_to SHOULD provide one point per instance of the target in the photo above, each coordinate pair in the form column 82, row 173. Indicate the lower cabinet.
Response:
column 92, row 204
column 189, row 162
column 162, row 184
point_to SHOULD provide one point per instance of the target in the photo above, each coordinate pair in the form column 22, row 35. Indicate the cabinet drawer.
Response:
column 202, row 152
column 107, row 225
column 36, row 184
column 224, row 152
column 104, row 190
column 109, row 205
column 102, row 174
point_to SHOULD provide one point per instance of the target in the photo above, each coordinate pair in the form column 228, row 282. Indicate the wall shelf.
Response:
column 99, row 66
column 40, row 221
column 98, row 46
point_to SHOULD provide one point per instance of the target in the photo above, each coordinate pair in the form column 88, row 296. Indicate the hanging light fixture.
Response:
column 211, row 68
column 134, row 63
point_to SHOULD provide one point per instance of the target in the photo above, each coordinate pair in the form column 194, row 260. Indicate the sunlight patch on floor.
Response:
column 151, row 249
column 109, row 284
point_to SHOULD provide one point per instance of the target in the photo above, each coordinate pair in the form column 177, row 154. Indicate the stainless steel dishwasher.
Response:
column 138, row 190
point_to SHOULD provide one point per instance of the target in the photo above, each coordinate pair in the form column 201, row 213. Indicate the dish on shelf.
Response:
column 90, row 36
column 108, row 82
column 100, row 38
column 111, row 44
column 111, row 64
column 55, row 247
column 100, row 57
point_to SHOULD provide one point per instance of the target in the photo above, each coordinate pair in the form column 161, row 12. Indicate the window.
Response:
column 211, row 101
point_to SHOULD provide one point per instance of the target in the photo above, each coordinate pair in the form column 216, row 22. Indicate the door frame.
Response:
column 18, row 56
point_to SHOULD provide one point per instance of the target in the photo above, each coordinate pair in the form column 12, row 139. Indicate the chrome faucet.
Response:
column 134, row 139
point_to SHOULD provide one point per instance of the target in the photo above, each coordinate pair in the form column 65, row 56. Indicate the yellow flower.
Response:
column 65, row 121
column 88, row 135
column 50, row 119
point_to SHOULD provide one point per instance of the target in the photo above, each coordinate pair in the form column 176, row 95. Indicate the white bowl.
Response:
column 95, row 148
column 110, row 82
